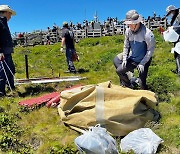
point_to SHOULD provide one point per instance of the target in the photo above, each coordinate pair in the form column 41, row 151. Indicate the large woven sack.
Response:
column 120, row 110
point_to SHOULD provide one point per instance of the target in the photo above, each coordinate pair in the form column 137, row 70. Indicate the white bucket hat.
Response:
column 169, row 9
column 132, row 17
column 7, row 8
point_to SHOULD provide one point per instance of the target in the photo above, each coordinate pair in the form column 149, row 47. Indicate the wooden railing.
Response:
column 40, row 37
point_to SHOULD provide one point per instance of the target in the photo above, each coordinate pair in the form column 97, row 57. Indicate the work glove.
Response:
column 124, row 64
column 62, row 49
column 1, row 56
column 140, row 68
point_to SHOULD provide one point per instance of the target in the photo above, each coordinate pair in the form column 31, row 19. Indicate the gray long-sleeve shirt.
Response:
column 141, row 44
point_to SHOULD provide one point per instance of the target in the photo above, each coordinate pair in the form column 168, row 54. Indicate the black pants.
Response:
column 7, row 74
column 177, row 59
column 69, row 55
column 130, row 66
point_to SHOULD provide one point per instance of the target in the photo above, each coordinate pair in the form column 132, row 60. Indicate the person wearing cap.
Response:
column 7, row 68
column 174, row 13
column 67, row 43
column 138, row 49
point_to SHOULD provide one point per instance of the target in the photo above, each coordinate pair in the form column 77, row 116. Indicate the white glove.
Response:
column 62, row 49
column 1, row 56
column 140, row 68
column 124, row 64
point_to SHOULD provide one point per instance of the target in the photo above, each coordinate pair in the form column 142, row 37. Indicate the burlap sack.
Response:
column 120, row 110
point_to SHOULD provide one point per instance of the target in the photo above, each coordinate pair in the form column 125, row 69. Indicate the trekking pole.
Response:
column 9, row 69
column 6, row 76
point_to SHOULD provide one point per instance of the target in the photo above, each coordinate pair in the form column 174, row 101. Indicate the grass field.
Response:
column 39, row 130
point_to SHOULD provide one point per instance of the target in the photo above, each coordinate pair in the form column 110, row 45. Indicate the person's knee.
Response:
column 120, row 70
column 117, row 62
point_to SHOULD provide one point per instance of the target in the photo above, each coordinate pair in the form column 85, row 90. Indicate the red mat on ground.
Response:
column 51, row 99
column 47, row 99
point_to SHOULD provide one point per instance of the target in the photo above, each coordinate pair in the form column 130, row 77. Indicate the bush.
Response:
column 67, row 149
column 162, row 82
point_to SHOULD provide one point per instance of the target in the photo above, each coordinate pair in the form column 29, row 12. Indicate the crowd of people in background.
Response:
column 107, row 26
column 139, row 45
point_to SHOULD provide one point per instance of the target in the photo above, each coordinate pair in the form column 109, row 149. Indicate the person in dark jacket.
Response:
column 7, row 68
column 67, row 43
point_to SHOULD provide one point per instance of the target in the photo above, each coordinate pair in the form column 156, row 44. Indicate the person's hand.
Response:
column 62, row 49
column 124, row 64
column 1, row 56
column 140, row 68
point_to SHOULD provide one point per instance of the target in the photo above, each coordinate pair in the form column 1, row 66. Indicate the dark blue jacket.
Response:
column 6, row 44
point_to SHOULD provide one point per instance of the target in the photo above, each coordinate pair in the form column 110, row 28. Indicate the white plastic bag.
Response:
column 96, row 141
column 177, row 47
column 170, row 35
column 141, row 141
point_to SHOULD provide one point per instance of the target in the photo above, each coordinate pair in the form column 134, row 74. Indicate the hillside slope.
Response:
column 39, row 130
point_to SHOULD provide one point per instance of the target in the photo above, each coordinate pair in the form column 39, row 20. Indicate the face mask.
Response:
column 171, row 15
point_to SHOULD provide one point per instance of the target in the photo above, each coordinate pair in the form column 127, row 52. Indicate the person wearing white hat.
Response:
column 139, row 40
column 7, row 69
column 174, row 13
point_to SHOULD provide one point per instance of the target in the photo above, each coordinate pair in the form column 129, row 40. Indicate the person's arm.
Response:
column 1, row 51
column 150, row 41
column 1, row 56
column 63, row 43
column 126, row 46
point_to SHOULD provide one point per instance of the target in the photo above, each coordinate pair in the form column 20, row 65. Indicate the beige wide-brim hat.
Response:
column 132, row 17
column 7, row 8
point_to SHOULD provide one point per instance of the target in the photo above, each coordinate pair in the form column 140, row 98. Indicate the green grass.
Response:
column 39, row 130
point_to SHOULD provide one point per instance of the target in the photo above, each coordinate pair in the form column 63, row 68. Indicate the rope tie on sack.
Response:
column 100, row 105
